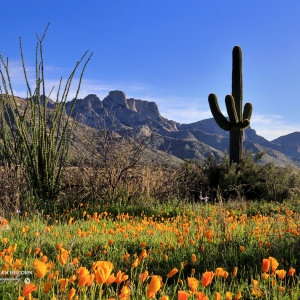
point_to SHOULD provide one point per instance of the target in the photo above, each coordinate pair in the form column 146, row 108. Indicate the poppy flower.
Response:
column 172, row 272
column 201, row 296
column 193, row 283
column 103, row 270
column 219, row 272
column 144, row 276
column 71, row 293
column 153, row 287
column 124, row 293
column 281, row 273
column 120, row 277
column 63, row 257
column 63, row 283
column 235, row 270
column 29, row 288
column 143, row 254
column 194, row 258
column 41, row 268
column 207, row 278
column 265, row 276
column 217, row 296
column 238, row 296
column 273, row 264
column 47, row 287
column 183, row 295
column 228, row 296
column 90, row 280
column 291, row 272
column 164, row 298
column 266, row 265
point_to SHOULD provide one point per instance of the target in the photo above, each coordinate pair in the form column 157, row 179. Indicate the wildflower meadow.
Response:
column 199, row 251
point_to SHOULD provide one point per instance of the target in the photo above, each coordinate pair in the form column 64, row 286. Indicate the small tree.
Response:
column 34, row 138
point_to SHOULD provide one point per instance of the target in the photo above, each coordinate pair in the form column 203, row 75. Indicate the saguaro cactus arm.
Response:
column 231, row 110
column 216, row 112
column 247, row 114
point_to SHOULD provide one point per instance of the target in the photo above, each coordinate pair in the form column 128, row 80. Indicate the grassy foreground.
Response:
column 200, row 251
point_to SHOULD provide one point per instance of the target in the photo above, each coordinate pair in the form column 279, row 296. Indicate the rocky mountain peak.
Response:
column 115, row 98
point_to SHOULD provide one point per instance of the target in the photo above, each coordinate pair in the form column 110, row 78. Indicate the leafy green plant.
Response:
column 32, row 139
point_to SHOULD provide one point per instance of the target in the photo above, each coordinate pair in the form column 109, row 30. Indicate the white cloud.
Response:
column 272, row 126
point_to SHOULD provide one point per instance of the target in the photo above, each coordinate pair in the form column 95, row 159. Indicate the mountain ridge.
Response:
column 196, row 140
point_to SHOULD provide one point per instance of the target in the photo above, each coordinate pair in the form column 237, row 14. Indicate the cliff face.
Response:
column 194, row 141
column 126, row 112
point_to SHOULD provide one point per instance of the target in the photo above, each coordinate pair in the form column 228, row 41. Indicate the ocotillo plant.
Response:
column 32, row 138
column 238, row 120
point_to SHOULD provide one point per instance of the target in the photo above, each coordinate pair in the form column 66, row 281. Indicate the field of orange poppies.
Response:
column 203, row 251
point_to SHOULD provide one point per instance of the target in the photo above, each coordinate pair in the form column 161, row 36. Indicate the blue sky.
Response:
column 172, row 52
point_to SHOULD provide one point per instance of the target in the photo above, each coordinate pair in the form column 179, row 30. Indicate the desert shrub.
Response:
column 249, row 181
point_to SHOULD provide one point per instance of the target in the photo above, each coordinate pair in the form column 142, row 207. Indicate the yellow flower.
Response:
column 193, row 283
column 265, row 276
column 153, row 287
column 219, row 272
column 124, row 293
column 63, row 283
column 63, row 257
column 281, row 273
column 103, row 270
column 41, row 268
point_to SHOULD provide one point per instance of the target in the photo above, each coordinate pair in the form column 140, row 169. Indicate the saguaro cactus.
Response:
column 238, row 120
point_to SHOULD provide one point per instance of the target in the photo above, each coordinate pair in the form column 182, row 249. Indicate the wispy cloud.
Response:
column 272, row 126
column 182, row 110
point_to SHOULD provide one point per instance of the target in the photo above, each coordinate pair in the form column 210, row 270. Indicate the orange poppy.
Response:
column 201, row 296
column 183, row 295
column 291, row 272
column 207, row 278
column 273, row 264
column 172, row 272
column 124, row 293
column 120, row 277
column 41, row 268
column 219, row 272
column 103, row 270
column 281, row 273
column 217, row 296
column 63, row 257
column 153, row 287
column 47, row 287
column 144, row 276
column 266, row 265
column 194, row 258
column 71, row 293
column 193, row 283
column 29, row 288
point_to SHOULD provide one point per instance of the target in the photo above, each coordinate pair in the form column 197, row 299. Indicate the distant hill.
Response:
column 196, row 140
